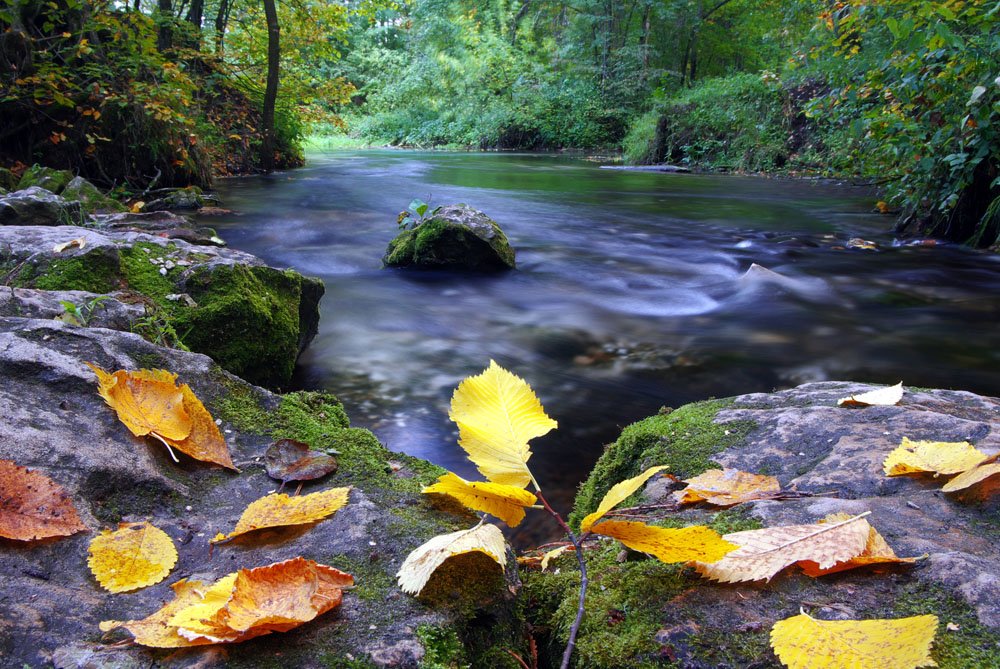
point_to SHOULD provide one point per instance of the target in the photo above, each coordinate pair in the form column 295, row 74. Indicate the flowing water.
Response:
column 632, row 292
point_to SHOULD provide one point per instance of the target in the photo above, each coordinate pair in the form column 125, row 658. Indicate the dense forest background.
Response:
column 903, row 93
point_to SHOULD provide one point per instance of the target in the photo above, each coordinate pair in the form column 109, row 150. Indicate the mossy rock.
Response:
column 56, row 423
column 452, row 237
column 254, row 320
column 8, row 180
column 38, row 206
column 643, row 613
column 50, row 179
column 90, row 197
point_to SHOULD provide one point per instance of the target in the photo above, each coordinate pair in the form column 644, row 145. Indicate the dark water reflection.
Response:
column 630, row 293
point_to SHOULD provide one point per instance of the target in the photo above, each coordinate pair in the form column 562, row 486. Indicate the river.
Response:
column 632, row 292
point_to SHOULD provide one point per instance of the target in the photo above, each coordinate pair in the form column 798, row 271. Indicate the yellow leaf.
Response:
column 985, row 477
column 618, row 493
column 684, row 544
column 553, row 554
column 506, row 502
column 426, row 558
column 133, row 556
column 155, row 630
column 876, row 552
column 883, row 397
column 937, row 457
column 137, row 207
column 194, row 621
column 497, row 414
column 147, row 401
column 803, row 642
column 726, row 487
column 79, row 242
column 204, row 442
column 279, row 510
column 763, row 553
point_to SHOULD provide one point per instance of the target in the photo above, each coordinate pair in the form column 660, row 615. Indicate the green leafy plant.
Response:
column 80, row 314
column 415, row 214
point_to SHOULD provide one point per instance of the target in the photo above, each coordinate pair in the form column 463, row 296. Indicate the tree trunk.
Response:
column 221, row 19
column 271, row 90
column 165, row 35
column 525, row 5
column 196, row 13
column 644, row 43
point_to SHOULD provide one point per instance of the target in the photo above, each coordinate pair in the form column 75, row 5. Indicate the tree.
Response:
column 271, row 89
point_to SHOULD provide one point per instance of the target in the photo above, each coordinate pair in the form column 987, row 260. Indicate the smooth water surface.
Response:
column 631, row 293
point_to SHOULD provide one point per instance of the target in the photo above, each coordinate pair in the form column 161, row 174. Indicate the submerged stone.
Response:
column 453, row 237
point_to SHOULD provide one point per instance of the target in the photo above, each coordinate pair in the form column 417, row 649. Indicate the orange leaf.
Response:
column 726, row 487
column 205, row 442
column 982, row 481
column 241, row 606
column 33, row 506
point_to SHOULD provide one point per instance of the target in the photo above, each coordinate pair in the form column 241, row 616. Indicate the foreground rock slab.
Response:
column 812, row 446
column 55, row 422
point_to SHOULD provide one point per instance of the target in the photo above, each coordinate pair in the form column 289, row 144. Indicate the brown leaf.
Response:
column 290, row 460
column 33, row 506
column 877, row 552
column 726, row 487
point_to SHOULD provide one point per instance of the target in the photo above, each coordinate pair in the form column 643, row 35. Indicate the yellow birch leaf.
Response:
column 876, row 552
column 506, row 502
column 147, row 401
column 883, row 397
column 985, row 477
column 155, row 630
column 279, row 510
column 553, row 554
column 763, row 553
column 726, row 487
column 204, row 442
column 936, row 457
column 618, row 493
column 133, row 556
column 497, row 414
column 803, row 642
column 667, row 544
column 420, row 564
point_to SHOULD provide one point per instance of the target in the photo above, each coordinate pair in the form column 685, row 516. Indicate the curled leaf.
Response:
column 279, row 510
column 506, row 502
column 803, row 642
column 763, row 553
column 883, row 397
column 935, row 457
column 134, row 556
column 726, row 487
column 618, row 494
column 155, row 630
column 497, row 415
column 420, row 564
column 33, row 506
column 983, row 480
column 670, row 545
column 79, row 242
column 876, row 552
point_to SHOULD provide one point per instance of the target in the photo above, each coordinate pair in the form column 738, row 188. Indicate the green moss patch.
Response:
column 685, row 440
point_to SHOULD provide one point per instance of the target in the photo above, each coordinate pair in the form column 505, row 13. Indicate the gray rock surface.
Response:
column 89, row 309
column 161, row 223
column 191, row 197
column 90, row 197
column 452, row 236
column 253, row 319
column 55, row 422
column 38, row 206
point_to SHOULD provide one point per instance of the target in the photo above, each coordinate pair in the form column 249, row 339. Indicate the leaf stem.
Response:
column 574, row 630
column 164, row 442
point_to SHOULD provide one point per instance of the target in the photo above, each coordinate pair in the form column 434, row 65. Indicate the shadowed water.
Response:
column 632, row 292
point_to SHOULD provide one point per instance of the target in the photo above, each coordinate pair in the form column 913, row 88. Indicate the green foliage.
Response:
column 732, row 122
column 914, row 85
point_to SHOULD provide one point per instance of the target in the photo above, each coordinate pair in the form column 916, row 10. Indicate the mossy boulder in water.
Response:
column 453, row 237
column 252, row 319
